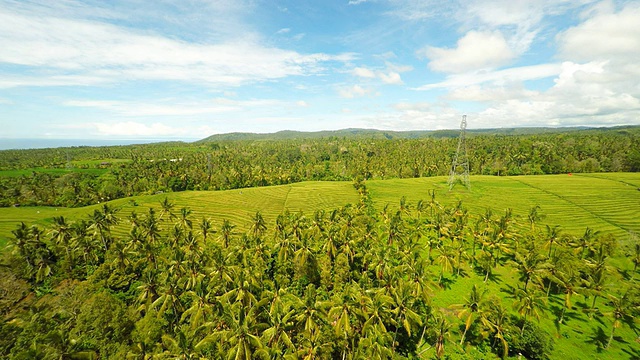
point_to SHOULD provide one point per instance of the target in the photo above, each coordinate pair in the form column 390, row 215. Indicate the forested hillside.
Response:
column 87, row 175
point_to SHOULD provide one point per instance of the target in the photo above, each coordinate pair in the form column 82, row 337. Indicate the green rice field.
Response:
column 608, row 202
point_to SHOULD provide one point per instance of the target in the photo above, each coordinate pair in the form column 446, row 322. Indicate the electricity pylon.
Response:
column 460, row 166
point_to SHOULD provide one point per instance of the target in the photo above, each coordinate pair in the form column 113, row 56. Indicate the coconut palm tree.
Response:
column 473, row 306
column 185, row 222
column 553, row 235
column 497, row 320
column 205, row 228
column 442, row 331
column 529, row 266
column 621, row 306
column 237, row 335
column 61, row 236
column 226, row 233
column 22, row 243
column 595, row 284
column 567, row 280
column 534, row 217
column 258, row 225
column 166, row 209
column 528, row 303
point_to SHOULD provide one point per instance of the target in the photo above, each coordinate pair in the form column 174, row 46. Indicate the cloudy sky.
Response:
column 135, row 69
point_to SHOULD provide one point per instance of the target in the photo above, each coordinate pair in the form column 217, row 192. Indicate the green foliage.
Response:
column 352, row 282
column 532, row 343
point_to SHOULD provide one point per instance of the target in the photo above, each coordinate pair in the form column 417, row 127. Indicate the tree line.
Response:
column 351, row 283
column 163, row 167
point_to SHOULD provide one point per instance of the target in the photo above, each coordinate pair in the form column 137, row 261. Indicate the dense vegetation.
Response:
column 350, row 283
column 84, row 175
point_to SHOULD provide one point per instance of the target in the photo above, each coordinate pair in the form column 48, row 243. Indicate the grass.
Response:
column 237, row 206
column 604, row 202
column 574, row 202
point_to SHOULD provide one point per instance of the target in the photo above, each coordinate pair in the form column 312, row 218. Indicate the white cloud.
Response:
column 135, row 129
column 476, row 50
column 414, row 116
column 364, row 72
column 353, row 92
column 283, row 31
column 391, row 77
column 302, row 103
column 604, row 36
column 498, row 77
column 583, row 94
column 137, row 109
column 171, row 107
column 67, row 48
column 490, row 94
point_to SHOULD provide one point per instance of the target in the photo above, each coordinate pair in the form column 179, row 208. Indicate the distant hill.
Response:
column 386, row 134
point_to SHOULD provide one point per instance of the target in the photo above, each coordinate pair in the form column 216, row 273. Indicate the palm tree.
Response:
column 182, row 346
column 276, row 335
column 497, row 320
column 621, row 306
column 534, row 216
column 473, row 305
column 61, row 236
column 169, row 299
column 442, row 330
column 404, row 310
column 312, row 347
column 529, row 266
column 567, row 280
column 148, row 291
column 205, row 228
column 595, row 284
column 258, row 225
column 184, row 220
column 340, row 315
column 445, row 259
column 23, row 243
column 151, row 227
column 101, row 223
column 226, row 232
column 237, row 335
column 378, row 311
column 201, row 309
column 166, row 207
column 586, row 241
column 528, row 303
column 311, row 313
column 553, row 234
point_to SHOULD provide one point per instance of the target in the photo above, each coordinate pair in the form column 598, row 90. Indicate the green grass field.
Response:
column 609, row 202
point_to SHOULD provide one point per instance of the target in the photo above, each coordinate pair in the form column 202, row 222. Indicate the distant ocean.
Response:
column 6, row 144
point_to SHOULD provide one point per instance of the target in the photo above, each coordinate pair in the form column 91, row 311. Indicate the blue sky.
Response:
column 134, row 69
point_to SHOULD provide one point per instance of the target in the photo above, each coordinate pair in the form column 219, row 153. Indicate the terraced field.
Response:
column 606, row 202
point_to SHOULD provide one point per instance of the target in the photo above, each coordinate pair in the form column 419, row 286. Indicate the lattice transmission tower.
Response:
column 460, row 166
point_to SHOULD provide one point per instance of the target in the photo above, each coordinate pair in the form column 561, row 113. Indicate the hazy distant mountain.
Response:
column 386, row 134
